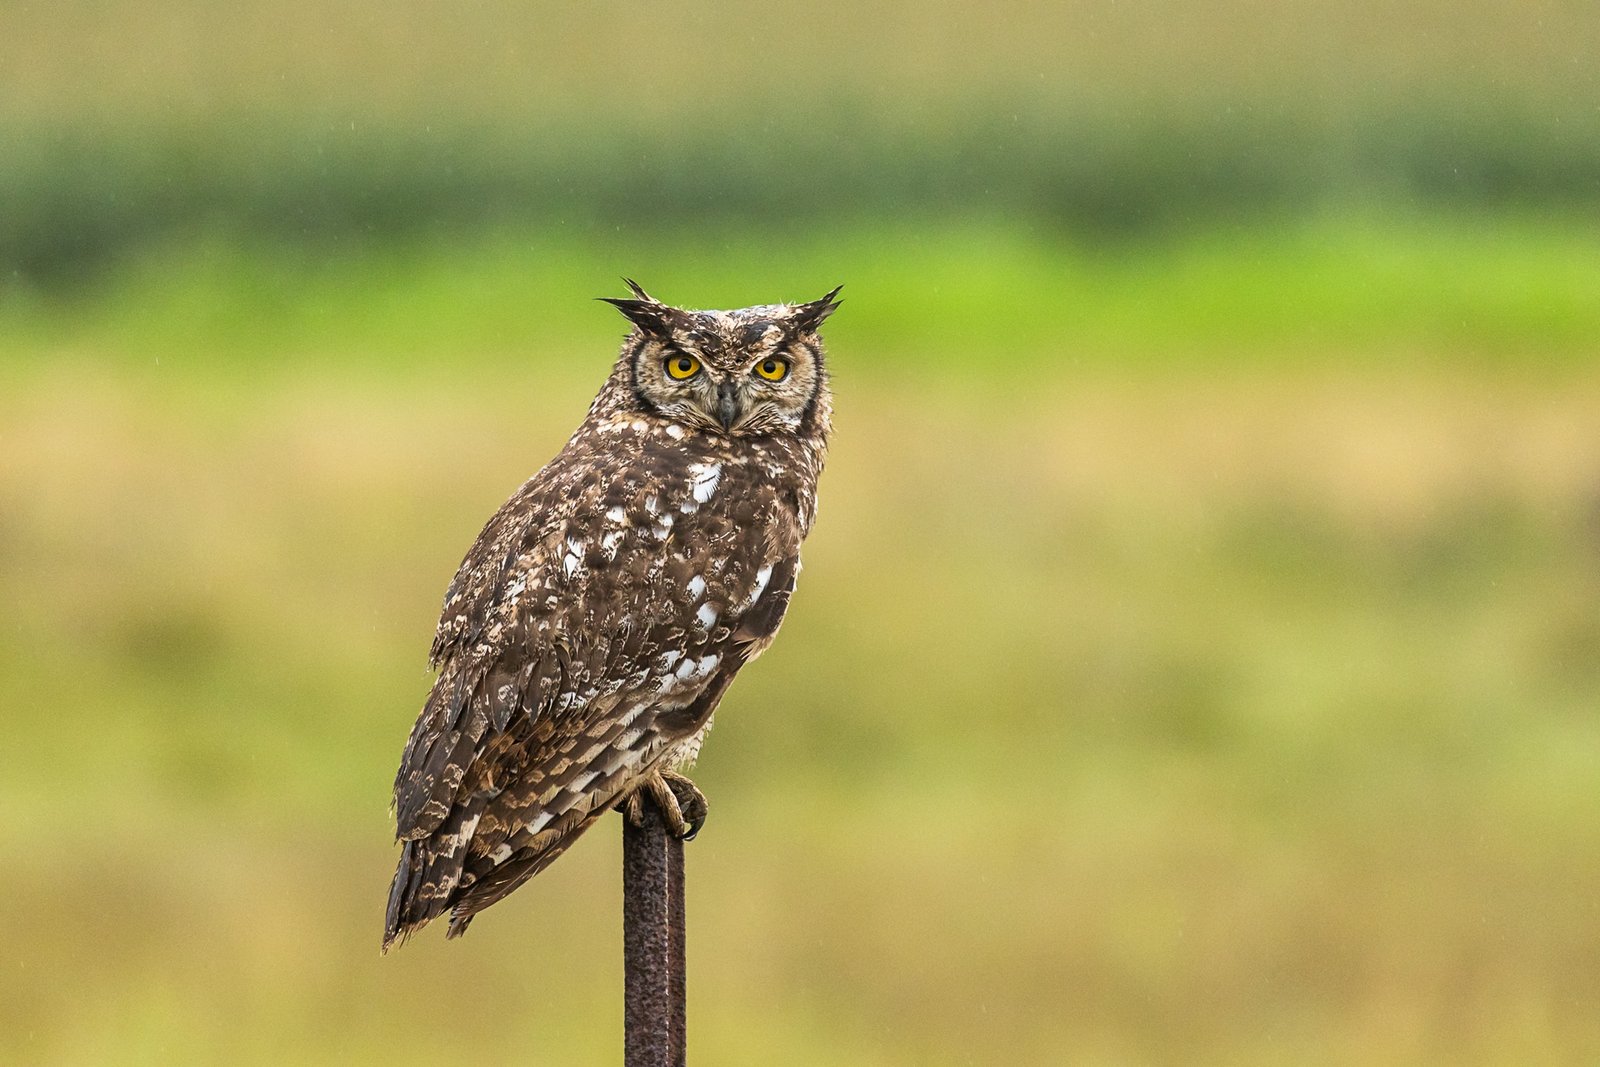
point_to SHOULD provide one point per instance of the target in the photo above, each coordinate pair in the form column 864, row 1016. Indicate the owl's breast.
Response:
column 637, row 566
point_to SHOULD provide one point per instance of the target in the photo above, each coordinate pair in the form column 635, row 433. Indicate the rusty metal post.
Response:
column 655, row 1019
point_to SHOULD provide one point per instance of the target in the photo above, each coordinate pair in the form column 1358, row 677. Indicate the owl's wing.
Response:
column 581, row 637
column 527, row 620
column 526, row 826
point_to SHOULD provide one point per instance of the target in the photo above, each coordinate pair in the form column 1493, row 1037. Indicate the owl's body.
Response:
column 601, row 614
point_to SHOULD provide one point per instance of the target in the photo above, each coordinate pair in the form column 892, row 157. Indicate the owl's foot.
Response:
column 682, row 805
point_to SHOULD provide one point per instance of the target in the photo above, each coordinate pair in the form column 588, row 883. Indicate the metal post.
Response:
column 652, row 939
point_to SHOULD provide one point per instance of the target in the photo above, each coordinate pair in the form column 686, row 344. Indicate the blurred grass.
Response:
column 80, row 197
column 984, row 300
column 191, row 58
column 322, row 125
column 1231, row 717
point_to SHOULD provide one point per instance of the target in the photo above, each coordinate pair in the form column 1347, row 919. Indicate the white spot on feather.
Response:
column 616, row 514
column 697, row 585
column 706, row 476
column 695, row 669
column 707, row 615
column 461, row 836
column 573, row 559
column 763, row 576
column 689, row 671
column 500, row 855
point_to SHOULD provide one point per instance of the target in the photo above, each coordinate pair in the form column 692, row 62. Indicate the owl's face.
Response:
column 753, row 371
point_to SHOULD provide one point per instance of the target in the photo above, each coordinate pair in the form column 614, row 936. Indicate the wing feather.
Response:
column 573, row 655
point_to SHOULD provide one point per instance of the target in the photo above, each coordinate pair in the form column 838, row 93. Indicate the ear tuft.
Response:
column 811, row 316
column 645, row 312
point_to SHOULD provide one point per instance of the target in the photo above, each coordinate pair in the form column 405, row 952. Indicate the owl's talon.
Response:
column 692, row 805
column 682, row 805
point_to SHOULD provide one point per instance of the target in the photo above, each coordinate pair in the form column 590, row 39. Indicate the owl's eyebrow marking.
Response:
column 818, row 377
column 643, row 401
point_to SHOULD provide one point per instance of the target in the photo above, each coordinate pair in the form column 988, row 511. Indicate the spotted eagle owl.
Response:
column 600, row 616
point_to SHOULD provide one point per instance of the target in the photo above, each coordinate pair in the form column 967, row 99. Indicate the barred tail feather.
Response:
column 500, row 880
column 430, row 872
column 431, row 879
column 407, row 911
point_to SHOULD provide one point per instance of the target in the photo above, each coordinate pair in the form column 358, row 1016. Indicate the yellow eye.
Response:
column 773, row 370
column 682, row 367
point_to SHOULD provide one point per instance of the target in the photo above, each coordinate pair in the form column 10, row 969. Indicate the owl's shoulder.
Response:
column 631, row 499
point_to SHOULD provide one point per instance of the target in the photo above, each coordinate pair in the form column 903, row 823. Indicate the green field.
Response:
column 1197, row 658
column 981, row 303
column 325, row 126
column 1198, row 687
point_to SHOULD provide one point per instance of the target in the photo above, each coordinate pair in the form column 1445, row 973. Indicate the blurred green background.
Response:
column 1198, row 656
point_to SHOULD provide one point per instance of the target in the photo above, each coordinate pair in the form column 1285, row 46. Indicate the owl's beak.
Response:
column 727, row 404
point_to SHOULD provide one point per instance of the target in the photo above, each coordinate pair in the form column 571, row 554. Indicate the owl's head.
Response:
column 756, row 370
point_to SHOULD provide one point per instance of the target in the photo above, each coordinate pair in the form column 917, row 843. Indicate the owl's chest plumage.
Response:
column 642, row 567
column 634, row 540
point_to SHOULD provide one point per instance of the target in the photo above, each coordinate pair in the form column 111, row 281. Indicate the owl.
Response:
column 603, row 611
